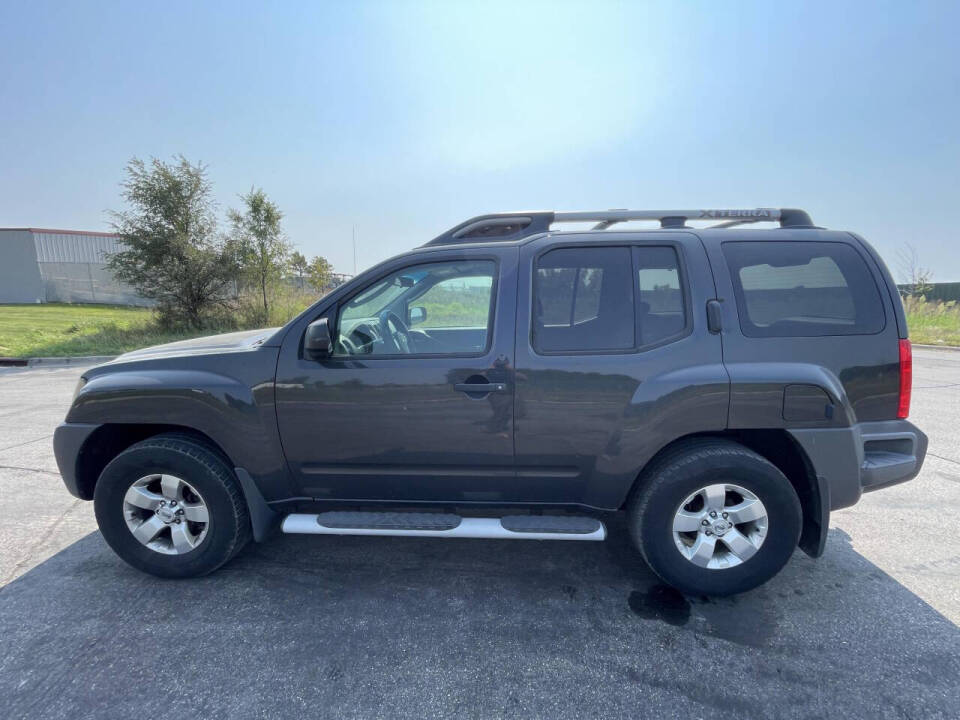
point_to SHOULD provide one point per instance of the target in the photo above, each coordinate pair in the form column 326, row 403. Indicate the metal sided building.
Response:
column 38, row 265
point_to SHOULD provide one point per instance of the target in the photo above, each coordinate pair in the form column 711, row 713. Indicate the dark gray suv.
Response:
column 725, row 387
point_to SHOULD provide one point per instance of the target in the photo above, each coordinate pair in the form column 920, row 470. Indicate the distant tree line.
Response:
column 176, row 255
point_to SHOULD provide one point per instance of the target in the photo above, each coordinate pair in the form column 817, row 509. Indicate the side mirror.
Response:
column 417, row 315
column 317, row 343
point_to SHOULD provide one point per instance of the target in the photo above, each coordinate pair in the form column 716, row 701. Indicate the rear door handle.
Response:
column 480, row 388
column 714, row 316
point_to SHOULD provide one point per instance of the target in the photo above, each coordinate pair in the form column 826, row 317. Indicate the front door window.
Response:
column 443, row 308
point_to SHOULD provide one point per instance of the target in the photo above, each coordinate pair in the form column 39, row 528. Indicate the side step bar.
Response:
column 511, row 527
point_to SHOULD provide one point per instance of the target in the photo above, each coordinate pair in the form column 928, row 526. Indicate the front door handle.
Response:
column 479, row 388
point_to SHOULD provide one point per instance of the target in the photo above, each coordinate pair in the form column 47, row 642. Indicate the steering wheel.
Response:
column 396, row 330
column 346, row 346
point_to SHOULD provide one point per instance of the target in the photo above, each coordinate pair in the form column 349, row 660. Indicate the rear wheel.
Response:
column 713, row 517
column 170, row 506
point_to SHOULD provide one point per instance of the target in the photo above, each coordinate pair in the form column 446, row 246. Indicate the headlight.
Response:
column 80, row 383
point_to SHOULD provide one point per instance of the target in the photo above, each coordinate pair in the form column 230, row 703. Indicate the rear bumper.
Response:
column 864, row 457
column 68, row 439
column 891, row 456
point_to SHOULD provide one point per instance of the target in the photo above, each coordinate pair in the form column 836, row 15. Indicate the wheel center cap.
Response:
column 166, row 514
column 719, row 527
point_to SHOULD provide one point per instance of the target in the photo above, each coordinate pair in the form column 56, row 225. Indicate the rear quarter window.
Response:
column 803, row 289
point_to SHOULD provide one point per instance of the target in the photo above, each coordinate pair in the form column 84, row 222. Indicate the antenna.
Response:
column 354, row 250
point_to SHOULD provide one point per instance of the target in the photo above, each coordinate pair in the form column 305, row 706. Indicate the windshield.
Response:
column 372, row 301
column 379, row 296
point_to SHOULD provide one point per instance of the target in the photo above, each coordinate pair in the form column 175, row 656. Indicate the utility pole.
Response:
column 354, row 250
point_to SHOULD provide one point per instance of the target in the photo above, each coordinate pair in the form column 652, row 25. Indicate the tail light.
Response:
column 906, row 378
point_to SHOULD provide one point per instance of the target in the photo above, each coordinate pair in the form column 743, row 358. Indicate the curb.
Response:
column 55, row 361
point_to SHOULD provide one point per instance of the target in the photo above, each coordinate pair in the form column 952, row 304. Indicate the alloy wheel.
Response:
column 166, row 514
column 720, row 526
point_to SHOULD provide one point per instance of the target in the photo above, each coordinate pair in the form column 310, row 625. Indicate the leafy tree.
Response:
column 299, row 264
column 260, row 245
column 172, row 253
column 320, row 273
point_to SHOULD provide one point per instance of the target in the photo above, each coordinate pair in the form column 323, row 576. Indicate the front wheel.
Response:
column 170, row 506
column 715, row 518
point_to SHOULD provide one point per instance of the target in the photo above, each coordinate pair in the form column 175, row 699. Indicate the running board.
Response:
column 443, row 525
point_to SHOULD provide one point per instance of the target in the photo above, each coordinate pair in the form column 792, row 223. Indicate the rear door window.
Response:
column 661, row 310
column 803, row 289
column 583, row 300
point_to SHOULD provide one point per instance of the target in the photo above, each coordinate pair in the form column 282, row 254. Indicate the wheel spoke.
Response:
column 140, row 497
column 183, row 541
column 170, row 486
column 715, row 496
column 196, row 513
column 686, row 521
column 739, row 544
column 148, row 529
column 702, row 550
column 746, row 511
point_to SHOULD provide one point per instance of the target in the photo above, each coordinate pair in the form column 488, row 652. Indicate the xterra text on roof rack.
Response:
column 726, row 388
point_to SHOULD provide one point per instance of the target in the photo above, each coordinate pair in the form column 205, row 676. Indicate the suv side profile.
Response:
column 726, row 387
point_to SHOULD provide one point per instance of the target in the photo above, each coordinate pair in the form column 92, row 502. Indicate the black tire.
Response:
column 683, row 470
column 228, row 528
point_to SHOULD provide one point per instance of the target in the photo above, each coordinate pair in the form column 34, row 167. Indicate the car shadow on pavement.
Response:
column 401, row 627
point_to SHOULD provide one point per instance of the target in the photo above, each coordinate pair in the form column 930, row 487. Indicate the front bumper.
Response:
column 68, row 440
column 868, row 456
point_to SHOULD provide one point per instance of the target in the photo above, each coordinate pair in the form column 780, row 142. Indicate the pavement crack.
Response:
column 28, row 442
column 945, row 459
column 29, row 469
column 35, row 548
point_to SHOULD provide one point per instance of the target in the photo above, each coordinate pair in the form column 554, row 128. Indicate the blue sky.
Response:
column 405, row 118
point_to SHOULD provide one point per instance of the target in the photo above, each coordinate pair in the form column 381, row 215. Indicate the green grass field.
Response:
column 933, row 323
column 60, row 330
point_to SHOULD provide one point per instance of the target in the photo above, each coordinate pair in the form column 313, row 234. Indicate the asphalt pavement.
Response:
column 360, row 627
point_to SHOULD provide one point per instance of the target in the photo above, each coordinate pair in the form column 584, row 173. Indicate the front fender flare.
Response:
column 241, row 420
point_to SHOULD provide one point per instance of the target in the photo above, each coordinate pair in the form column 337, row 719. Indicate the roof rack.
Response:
column 514, row 226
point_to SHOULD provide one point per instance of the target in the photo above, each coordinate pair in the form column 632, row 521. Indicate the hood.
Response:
column 210, row 344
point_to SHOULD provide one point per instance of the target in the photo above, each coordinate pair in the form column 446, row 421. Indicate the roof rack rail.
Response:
column 517, row 225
